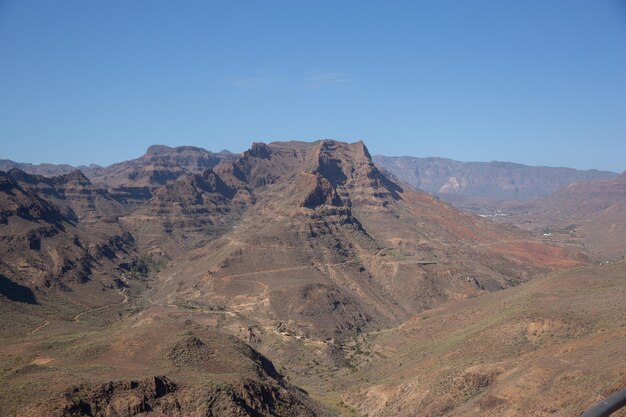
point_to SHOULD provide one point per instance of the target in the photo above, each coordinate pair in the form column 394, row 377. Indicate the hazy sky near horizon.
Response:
column 537, row 82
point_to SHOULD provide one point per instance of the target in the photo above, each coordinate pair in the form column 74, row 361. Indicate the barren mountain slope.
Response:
column 332, row 247
column 72, row 341
column 135, row 180
column 159, row 164
column 551, row 347
column 77, row 198
column 44, row 244
column 145, row 364
column 304, row 251
column 187, row 213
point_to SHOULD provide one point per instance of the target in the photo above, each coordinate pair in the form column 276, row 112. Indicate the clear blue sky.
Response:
column 540, row 82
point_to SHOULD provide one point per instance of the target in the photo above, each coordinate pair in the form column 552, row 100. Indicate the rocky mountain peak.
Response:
column 158, row 149
column 259, row 150
column 330, row 164
column 165, row 150
column 181, row 149
column 351, row 166
column 77, row 177
column 264, row 164
column 19, row 175
column 360, row 148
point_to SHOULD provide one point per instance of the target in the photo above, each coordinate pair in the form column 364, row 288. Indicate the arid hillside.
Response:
column 55, row 233
column 551, row 347
column 331, row 247
column 185, row 283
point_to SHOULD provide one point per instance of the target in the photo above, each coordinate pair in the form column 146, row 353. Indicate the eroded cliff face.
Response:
column 58, row 231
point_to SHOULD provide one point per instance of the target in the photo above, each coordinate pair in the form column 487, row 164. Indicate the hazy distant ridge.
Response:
column 502, row 180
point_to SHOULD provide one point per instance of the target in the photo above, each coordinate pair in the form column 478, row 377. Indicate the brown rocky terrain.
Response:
column 159, row 165
column 119, row 371
column 228, row 284
column 551, row 347
column 334, row 247
column 70, row 274
column 188, row 212
column 48, row 235
column 77, row 198
column 134, row 181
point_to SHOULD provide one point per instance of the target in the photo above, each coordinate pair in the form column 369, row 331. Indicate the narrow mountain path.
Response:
column 265, row 288
column 122, row 292
column 268, row 271
column 500, row 242
column 39, row 328
column 124, row 301
column 271, row 271
column 238, row 242
column 198, row 311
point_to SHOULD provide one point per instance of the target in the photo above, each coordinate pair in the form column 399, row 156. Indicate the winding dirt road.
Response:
column 124, row 301
column 39, row 328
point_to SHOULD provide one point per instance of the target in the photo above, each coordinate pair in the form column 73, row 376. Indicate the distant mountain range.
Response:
column 592, row 213
column 159, row 164
column 451, row 179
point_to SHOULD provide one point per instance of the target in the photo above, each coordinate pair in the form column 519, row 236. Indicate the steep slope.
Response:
column 496, row 180
column 187, row 213
column 169, row 291
column 134, row 181
column 549, row 347
column 76, row 197
column 44, row 245
column 159, row 165
column 331, row 246
column 148, row 169
column 77, row 338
